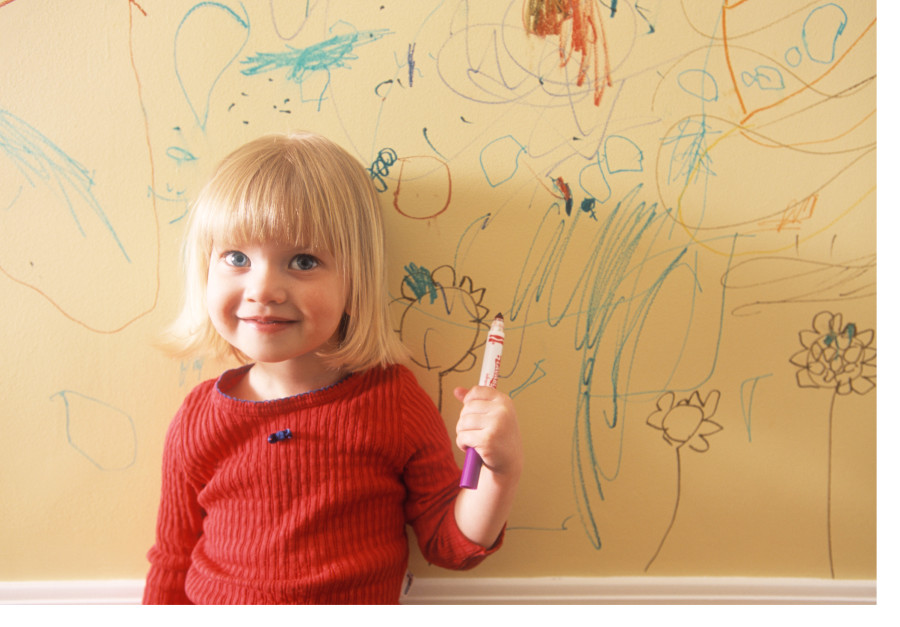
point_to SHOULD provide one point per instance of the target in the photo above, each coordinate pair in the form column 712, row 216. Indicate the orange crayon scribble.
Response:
column 139, row 7
column 585, row 36
column 794, row 215
column 736, row 85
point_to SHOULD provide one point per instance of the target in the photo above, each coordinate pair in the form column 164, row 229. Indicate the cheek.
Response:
column 330, row 304
column 217, row 300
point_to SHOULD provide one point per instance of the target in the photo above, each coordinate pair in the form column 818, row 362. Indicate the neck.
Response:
column 271, row 381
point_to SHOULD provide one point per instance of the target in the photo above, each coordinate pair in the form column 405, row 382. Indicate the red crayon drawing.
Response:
column 580, row 31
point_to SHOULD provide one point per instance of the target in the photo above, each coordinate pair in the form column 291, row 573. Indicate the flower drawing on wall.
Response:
column 837, row 357
column 687, row 422
column 442, row 320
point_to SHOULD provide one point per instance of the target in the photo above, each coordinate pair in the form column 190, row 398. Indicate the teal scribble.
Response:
column 500, row 159
column 43, row 163
column 430, row 145
column 700, row 84
column 536, row 375
column 614, row 291
column 15, row 198
column 179, row 198
column 381, row 167
column 179, row 155
column 833, row 337
column 690, row 151
column 793, row 56
column 587, row 206
column 767, row 77
column 821, row 30
column 102, row 417
column 621, row 154
column 419, row 280
column 747, row 402
column 201, row 116
column 651, row 25
column 332, row 53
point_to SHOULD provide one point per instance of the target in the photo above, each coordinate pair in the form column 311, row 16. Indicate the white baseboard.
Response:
column 640, row 590
column 88, row 592
column 504, row 591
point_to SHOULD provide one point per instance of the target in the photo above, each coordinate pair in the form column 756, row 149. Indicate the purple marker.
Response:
column 490, row 372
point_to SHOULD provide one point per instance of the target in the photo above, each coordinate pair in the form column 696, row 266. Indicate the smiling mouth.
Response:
column 268, row 323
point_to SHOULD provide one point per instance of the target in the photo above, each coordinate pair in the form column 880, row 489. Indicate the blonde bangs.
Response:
column 263, row 200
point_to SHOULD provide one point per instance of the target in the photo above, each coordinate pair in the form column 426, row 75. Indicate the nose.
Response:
column 265, row 285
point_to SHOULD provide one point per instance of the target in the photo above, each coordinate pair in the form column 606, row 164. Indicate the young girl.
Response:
column 292, row 478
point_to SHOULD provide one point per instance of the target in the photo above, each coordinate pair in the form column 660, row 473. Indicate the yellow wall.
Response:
column 668, row 207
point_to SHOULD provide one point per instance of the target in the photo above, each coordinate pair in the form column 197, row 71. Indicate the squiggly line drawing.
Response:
column 335, row 52
column 199, row 102
column 537, row 374
column 381, row 167
column 580, row 31
column 747, row 402
column 91, row 425
column 787, row 280
column 614, row 294
column 43, row 162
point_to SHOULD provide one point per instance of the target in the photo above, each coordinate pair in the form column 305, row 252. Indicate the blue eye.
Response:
column 237, row 258
column 304, row 262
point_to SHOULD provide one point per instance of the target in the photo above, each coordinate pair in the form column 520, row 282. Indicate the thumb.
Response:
column 460, row 393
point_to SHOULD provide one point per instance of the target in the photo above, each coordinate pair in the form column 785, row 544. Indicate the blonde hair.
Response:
column 300, row 190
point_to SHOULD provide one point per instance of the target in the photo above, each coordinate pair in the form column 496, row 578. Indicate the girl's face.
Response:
column 276, row 303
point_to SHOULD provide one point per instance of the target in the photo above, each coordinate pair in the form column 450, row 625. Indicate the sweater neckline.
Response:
column 229, row 378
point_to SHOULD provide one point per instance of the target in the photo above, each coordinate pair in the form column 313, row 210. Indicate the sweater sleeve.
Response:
column 432, row 482
column 178, row 526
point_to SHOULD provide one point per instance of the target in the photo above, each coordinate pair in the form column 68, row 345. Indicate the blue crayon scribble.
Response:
column 428, row 141
column 321, row 57
column 43, row 163
column 90, row 421
column 500, row 159
column 419, row 280
column 15, row 198
column 767, row 77
column 821, row 30
column 611, row 300
column 690, row 151
column 747, row 402
column 201, row 111
column 179, row 198
column 180, row 155
column 410, row 62
column 381, row 167
column 536, row 375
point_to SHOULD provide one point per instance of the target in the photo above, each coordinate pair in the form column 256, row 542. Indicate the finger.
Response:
column 470, row 421
column 460, row 393
column 481, row 392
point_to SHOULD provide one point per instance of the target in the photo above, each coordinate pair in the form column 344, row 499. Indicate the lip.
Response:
column 267, row 324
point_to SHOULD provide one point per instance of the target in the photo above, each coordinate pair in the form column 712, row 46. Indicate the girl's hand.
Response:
column 488, row 423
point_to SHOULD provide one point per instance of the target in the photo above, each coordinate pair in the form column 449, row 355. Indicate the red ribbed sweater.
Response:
column 317, row 518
